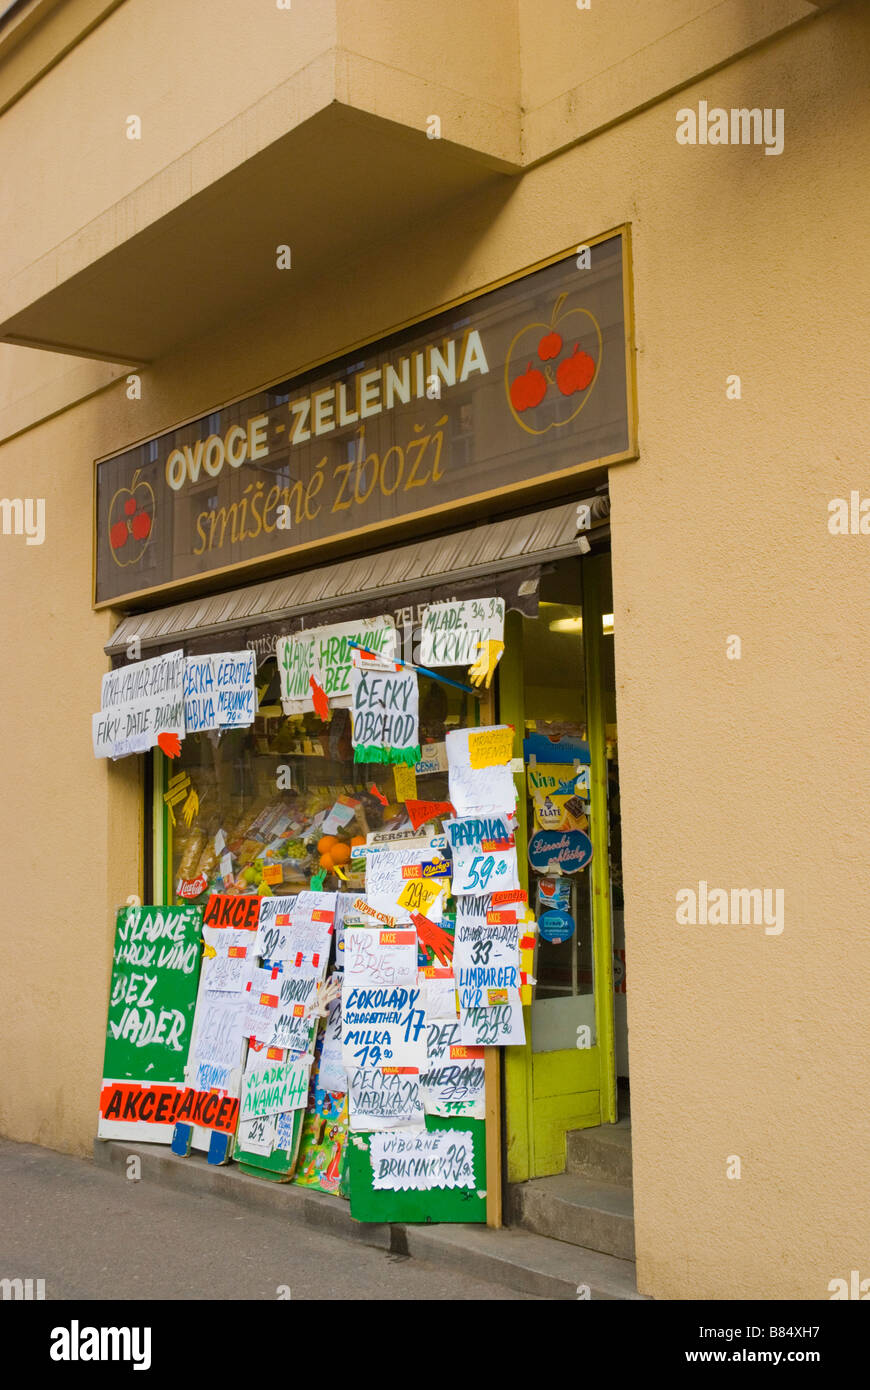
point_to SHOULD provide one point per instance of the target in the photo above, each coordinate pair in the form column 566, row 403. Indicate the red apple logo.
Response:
column 574, row 373
column 131, row 515
column 573, row 378
column 550, row 346
column 529, row 389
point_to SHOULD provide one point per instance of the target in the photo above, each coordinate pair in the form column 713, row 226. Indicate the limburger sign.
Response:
column 518, row 388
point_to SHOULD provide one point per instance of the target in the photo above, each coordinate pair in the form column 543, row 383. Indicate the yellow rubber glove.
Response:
column 487, row 660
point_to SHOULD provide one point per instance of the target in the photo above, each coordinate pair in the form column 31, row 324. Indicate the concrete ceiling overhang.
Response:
column 339, row 179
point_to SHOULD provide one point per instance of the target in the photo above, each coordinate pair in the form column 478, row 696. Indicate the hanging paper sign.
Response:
column 454, row 1080
column 384, row 702
column 331, row 1075
column 499, row 1025
column 139, row 703
column 227, row 970
column 384, row 1099
column 236, row 689
column 258, row 1136
column 279, row 1008
column 419, row 894
column 382, row 1027
column 275, row 1089
column 490, row 747
column 438, row 991
column 421, row 812
column 486, row 953
column 380, row 956
column 406, row 782
column 453, row 631
column 229, row 934
column 297, row 928
column 484, row 854
column 567, row 851
column 387, row 872
column 476, row 786
column 200, row 695
column 219, row 1040
column 421, row 1160
column 486, row 962
column 324, row 655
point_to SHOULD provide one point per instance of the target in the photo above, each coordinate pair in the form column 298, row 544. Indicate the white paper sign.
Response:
column 324, row 654
column 438, row 991
column 297, row 928
column 382, row 1027
column 380, row 1100
column 138, row 702
column 484, row 854
column 453, row 631
column 486, row 954
column 331, row 1075
column 258, row 1135
column 274, row 1089
column 279, row 1011
column 499, row 1026
column 419, row 1160
column 384, row 706
column 385, row 879
column 219, row 1041
column 476, row 791
column 454, row 1080
column 380, row 956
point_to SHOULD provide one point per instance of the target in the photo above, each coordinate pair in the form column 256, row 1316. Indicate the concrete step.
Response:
column 530, row 1263
column 603, row 1152
column 578, row 1210
column 516, row 1259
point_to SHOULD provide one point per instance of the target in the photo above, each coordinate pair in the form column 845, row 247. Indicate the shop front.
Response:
column 435, row 505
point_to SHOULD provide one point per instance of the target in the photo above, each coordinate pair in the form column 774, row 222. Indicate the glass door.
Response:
column 551, row 690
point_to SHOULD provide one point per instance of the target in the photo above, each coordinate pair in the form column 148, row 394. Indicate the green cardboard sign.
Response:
column 155, row 973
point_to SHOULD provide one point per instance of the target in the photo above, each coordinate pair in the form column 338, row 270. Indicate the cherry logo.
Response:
column 529, row 389
column 574, row 373
column 572, row 378
column 131, row 515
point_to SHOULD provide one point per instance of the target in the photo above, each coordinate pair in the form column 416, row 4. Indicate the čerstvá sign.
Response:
column 476, row 402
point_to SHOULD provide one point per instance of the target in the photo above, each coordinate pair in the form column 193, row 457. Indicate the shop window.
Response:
column 255, row 794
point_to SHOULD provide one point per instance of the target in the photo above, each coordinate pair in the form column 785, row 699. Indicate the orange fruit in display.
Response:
column 340, row 852
column 326, row 862
column 325, row 843
column 358, row 840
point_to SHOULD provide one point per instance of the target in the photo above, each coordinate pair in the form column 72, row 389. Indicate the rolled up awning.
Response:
column 502, row 558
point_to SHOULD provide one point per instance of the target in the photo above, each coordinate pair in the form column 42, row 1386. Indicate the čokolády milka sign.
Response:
column 493, row 397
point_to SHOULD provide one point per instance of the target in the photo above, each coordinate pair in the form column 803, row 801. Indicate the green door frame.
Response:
column 549, row 1093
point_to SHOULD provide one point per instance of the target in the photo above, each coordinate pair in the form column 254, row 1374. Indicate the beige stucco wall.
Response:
column 743, row 773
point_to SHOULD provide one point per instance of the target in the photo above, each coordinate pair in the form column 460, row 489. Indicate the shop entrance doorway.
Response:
column 557, row 688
